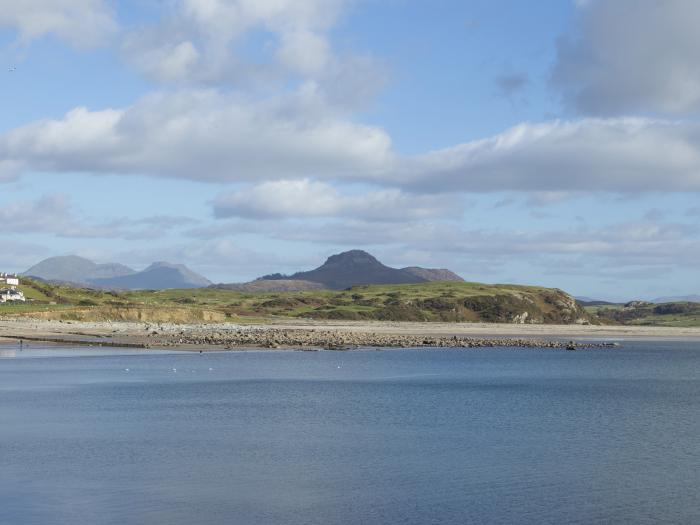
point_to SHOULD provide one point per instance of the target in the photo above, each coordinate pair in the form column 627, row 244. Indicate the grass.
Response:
column 435, row 301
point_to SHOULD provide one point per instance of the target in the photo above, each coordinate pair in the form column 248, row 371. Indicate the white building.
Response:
column 11, row 295
column 9, row 279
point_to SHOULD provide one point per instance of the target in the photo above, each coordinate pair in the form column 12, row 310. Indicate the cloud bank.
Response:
column 203, row 135
column 207, row 136
column 588, row 155
column 628, row 56
column 308, row 199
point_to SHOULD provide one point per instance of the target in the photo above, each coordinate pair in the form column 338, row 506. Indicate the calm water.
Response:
column 411, row 437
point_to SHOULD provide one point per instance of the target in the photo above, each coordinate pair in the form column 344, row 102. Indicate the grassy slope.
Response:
column 436, row 301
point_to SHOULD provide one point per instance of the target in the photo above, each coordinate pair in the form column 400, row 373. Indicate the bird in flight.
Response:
column 12, row 69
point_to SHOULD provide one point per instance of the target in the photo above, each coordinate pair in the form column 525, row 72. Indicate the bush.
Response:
column 87, row 302
column 185, row 300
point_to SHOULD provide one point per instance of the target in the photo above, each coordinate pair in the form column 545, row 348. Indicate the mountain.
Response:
column 80, row 271
column 74, row 269
column 157, row 276
column 429, row 274
column 357, row 267
column 678, row 299
column 588, row 301
column 282, row 283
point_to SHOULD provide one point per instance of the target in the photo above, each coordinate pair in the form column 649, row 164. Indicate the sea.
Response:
column 385, row 436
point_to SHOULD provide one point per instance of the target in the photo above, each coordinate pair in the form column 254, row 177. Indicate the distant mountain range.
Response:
column 341, row 271
column 79, row 271
column 678, row 299
column 74, row 269
column 587, row 301
column 344, row 270
column 158, row 276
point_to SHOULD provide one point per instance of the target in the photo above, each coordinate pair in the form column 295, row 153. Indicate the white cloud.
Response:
column 632, row 55
column 204, row 135
column 227, row 18
column 9, row 170
column 613, row 155
column 222, row 260
column 45, row 214
column 55, row 214
column 208, row 136
column 640, row 243
column 305, row 198
column 304, row 51
column 18, row 256
column 257, row 46
column 624, row 252
column 82, row 23
column 210, row 37
column 169, row 62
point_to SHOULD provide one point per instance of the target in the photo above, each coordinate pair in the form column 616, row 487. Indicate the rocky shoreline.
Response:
column 336, row 340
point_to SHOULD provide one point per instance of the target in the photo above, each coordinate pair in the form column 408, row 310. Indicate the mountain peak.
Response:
column 159, row 275
column 352, row 257
column 78, row 270
column 164, row 264
column 357, row 267
column 75, row 269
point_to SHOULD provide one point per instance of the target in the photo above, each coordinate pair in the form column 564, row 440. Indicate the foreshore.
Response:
column 327, row 335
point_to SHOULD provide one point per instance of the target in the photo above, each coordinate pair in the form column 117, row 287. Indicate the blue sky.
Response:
column 552, row 142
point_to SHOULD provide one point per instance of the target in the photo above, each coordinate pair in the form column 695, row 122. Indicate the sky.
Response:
column 554, row 143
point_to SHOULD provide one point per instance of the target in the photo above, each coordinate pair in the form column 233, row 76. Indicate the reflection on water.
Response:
column 414, row 436
column 29, row 349
column 8, row 352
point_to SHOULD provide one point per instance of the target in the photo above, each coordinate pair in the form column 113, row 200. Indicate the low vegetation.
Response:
column 433, row 301
column 641, row 313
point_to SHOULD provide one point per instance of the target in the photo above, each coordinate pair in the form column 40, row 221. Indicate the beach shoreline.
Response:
column 308, row 334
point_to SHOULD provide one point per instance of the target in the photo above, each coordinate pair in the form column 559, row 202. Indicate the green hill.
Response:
column 432, row 301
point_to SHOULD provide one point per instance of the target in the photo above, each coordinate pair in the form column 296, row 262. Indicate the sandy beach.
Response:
column 318, row 334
